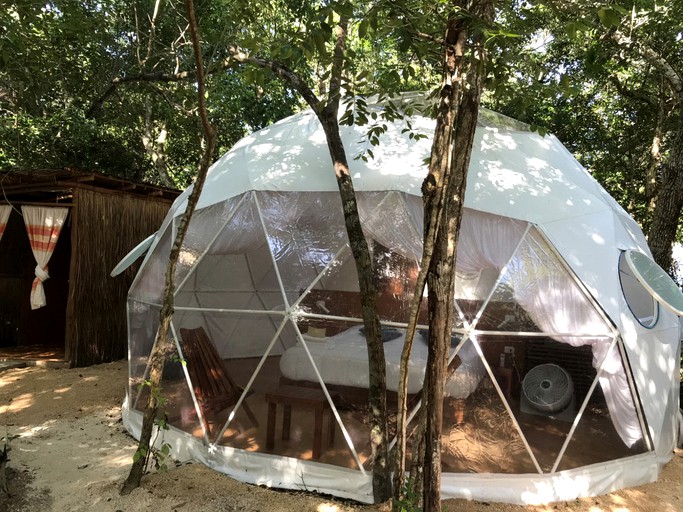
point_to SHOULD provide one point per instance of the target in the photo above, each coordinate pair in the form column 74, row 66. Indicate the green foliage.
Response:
column 57, row 57
column 552, row 64
column 567, row 75
column 409, row 501
column 139, row 453
column 161, row 457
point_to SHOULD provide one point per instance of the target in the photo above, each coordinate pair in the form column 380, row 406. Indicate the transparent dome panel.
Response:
column 504, row 313
column 305, row 232
column 538, row 293
column 205, row 226
column 478, row 433
column 293, row 415
column 485, row 246
column 610, row 417
column 177, row 405
column 396, row 279
column 235, row 270
column 150, row 281
column 222, row 352
column 388, row 218
column 236, row 281
column 546, row 382
column 596, row 438
column 143, row 322
column 333, row 293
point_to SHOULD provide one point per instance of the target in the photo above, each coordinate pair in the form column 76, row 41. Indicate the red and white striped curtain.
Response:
column 5, row 210
column 43, row 226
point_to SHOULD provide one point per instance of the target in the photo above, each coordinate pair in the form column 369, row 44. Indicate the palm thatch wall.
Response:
column 105, row 226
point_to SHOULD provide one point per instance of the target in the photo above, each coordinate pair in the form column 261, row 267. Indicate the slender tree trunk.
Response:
column 434, row 190
column 669, row 206
column 651, row 181
column 164, row 344
column 366, row 279
column 368, row 295
column 441, row 277
column 328, row 117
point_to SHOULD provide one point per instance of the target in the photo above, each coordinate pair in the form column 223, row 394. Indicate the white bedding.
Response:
column 343, row 360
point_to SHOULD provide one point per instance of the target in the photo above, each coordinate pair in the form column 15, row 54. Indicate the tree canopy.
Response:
column 606, row 79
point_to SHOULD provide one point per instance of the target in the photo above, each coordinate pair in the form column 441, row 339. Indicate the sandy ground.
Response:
column 72, row 454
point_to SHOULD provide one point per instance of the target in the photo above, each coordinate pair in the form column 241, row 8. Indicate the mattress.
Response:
column 343, row 360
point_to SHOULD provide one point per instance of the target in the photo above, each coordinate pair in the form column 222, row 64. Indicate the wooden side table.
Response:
column 304, row 398
column 505, row 378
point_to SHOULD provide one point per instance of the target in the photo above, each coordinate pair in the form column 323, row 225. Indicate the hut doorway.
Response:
column 27, row 333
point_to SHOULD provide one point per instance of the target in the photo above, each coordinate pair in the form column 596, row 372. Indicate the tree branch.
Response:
column 209, row 131
column 171, row 103
column 630, row 93
column 237, row 56
column 337, row 67
column 654, row 58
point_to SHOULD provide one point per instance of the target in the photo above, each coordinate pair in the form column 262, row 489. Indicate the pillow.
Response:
column 388, row 333
column 316, row 332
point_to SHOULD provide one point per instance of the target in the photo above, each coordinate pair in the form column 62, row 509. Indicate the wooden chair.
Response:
column 214, row 388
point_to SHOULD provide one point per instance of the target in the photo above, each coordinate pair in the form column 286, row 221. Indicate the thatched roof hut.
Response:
column 85, row 314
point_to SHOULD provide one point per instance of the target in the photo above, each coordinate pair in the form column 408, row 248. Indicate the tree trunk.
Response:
column 440, row 281
column 381, row 480
column 435, row 199
column 669, row 202
column 368, row 295
column 669, row 206
column 155, row 148
column 442, row 268
column 163, row 345
column 441, row 286
column 651, row 182
column 162, row 349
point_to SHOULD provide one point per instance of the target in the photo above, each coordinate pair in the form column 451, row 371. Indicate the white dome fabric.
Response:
column 266, row 258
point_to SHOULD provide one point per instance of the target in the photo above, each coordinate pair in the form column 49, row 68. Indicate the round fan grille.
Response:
column 548, row 388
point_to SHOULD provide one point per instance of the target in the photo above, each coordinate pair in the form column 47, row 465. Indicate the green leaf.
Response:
column 363, row 28
column 565, row 82
column 343, row 9
column 576, row 29
column 141, row 452
column 609, row 17
column 319, row 40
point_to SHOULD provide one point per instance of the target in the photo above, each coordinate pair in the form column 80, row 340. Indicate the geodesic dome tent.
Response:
column 267, row 320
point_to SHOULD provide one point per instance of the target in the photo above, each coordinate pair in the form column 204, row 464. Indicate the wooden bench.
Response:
column 304, row 398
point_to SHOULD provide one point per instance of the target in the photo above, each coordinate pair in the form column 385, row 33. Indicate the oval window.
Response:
column 656, row 281
column 639, row 300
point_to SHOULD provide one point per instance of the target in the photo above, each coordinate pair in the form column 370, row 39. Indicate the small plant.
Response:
column 410, row 501
column 161, row 456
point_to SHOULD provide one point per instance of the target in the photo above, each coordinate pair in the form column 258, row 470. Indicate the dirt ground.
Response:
column 72, row 453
